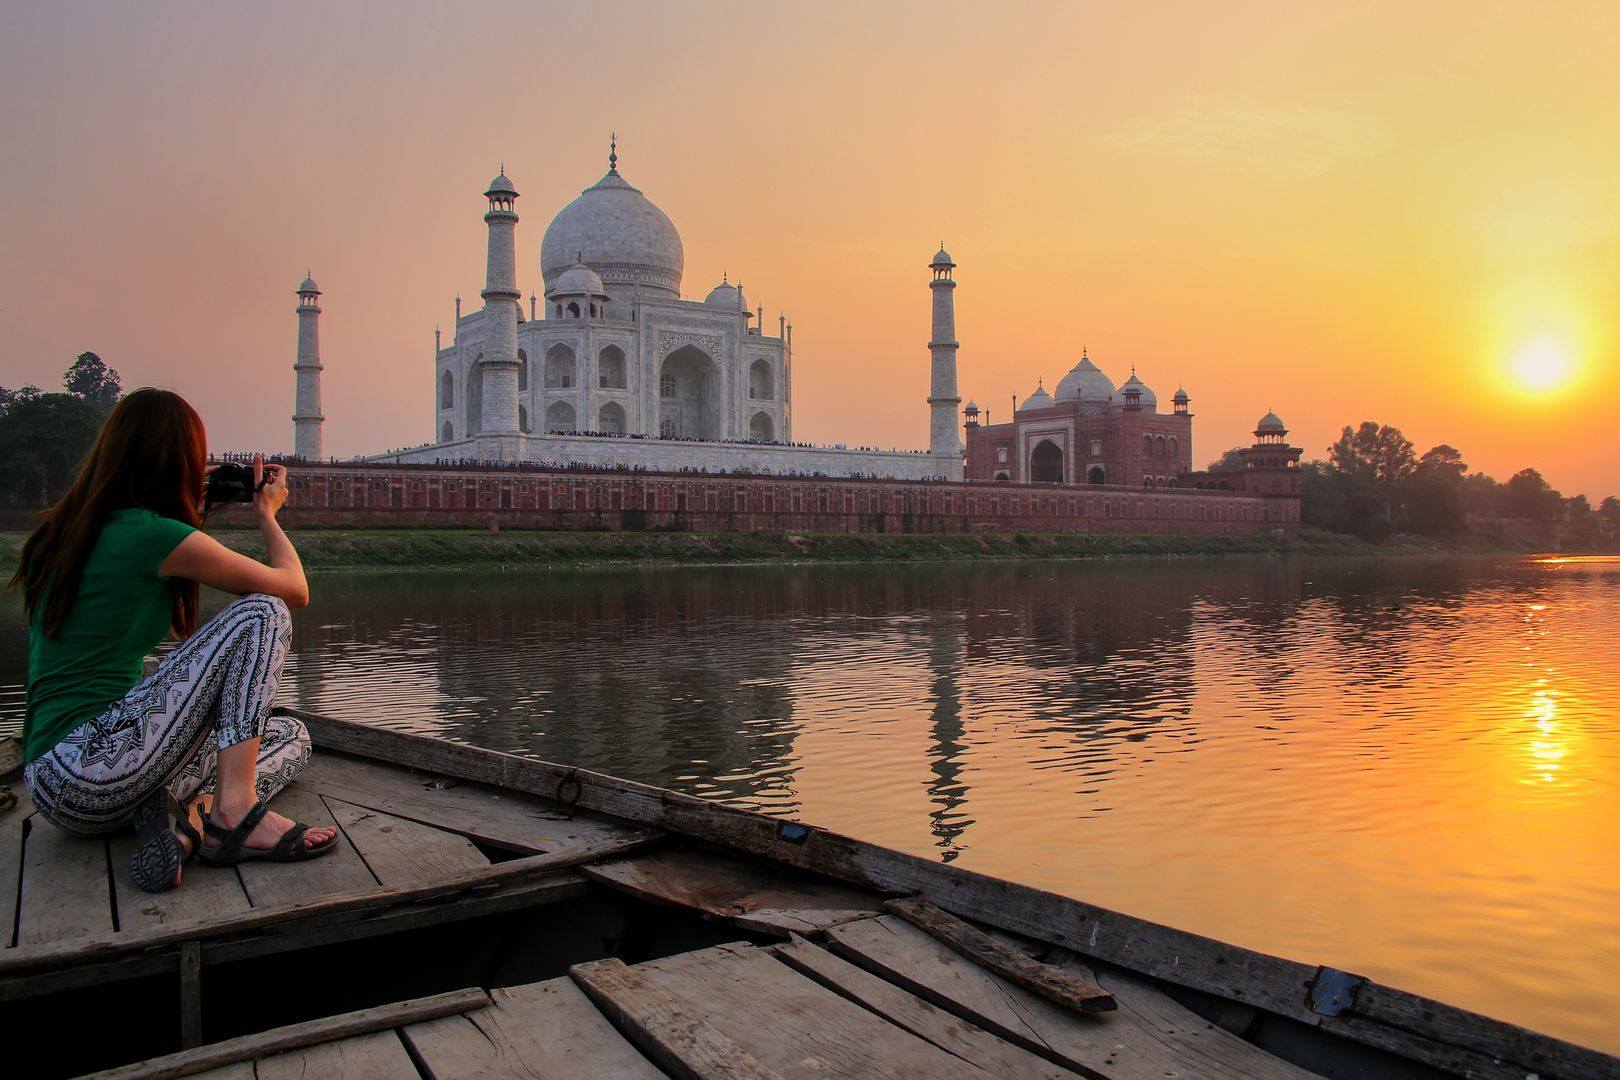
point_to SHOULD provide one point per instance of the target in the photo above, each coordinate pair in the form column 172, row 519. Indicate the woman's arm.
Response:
column 205, row 560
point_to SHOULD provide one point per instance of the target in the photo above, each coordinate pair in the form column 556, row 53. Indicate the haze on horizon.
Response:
column 1405, row 213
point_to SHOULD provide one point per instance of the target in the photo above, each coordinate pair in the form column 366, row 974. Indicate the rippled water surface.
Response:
column 1409, row 768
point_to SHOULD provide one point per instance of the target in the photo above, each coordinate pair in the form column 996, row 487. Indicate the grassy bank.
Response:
column 346, row 549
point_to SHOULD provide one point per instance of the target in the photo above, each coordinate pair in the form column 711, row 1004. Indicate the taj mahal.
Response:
column 613, row 367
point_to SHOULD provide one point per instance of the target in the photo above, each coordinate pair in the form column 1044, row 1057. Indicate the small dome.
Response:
column 972, row 408
column 726, row 295
column 942, row 258
column 308, row 286
column 1040, row 399
column 1181, row 396
column 1146, row 397
column 501, row 185
column 1086, row 382
column 1271, row 424
column 577, row 280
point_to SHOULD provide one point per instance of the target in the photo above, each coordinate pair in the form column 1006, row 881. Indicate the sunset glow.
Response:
column 1343, row 212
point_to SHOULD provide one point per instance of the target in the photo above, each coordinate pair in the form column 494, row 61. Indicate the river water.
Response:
column 1406, row 767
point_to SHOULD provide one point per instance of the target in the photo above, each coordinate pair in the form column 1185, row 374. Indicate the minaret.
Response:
column 501, row 300
column 307, row 418
column 944, row 438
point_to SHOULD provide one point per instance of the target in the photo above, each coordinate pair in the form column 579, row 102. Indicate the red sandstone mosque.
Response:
column 1092, row 432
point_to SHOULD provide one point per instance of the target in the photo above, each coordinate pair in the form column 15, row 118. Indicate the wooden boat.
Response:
column 492, row 915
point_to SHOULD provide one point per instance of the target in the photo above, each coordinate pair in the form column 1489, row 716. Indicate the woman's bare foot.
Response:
column 271, row 827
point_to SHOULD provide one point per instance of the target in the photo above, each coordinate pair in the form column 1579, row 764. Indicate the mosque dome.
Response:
column 726, row 295
column 618, row 232
column 1040, row 399
column 1148, row 399
column 971, row 408
column 942, row 258
column 577, row 280
column 501, row 185
column 308, row 285
column 1181, row 397
column 1271, row 424
column 1085, row 382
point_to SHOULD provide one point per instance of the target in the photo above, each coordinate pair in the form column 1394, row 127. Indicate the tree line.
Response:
column 43, row 435
column 1373, row 484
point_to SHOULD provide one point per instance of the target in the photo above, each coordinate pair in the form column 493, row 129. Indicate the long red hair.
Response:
column 151, row 453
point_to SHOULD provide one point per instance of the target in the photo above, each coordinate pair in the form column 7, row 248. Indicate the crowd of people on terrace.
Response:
column 570, row 466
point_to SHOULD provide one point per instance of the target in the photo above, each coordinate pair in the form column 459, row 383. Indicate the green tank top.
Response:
column 121, row 614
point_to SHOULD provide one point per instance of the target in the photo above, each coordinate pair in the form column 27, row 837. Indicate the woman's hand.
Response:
column 269, row 498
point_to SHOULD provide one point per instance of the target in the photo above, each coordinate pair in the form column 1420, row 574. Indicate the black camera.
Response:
column 232, row 482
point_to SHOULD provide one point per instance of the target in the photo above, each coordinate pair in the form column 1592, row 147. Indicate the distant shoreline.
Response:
column 442, row 549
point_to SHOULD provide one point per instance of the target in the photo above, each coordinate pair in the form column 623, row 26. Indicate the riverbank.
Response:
column 352, row 549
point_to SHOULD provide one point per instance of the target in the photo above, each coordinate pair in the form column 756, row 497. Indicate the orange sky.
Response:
column 1340, row 211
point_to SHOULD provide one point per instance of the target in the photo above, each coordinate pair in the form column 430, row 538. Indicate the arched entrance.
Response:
column 610, row 420
column 560, row 417
column 1096, row 475
column 1046, row 463
column 689, row 395
column 761, row 428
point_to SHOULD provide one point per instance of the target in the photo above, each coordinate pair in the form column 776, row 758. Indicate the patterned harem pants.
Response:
column 212, row 691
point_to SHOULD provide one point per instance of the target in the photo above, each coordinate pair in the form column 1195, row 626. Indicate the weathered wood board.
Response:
column 204, row 892
column 378, row 1056
column 903, row 1009
column 399, row 851
column 1118, row 1044
column 11, row 861
column 794, row 1024
column 341, row 871
column 667, row 1030
column 65, row 891
column 747, row 893
column 504, row 819
column 546, row 1031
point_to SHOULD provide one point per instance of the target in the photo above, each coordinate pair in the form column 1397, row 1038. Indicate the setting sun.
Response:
column 1543, row 367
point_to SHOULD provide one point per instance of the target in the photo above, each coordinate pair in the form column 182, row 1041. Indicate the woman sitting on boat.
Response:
column 189, row 755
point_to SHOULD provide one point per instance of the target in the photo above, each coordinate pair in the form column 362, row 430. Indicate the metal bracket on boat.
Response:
column 792, row 832
column 1333, row 991
column 568, row 791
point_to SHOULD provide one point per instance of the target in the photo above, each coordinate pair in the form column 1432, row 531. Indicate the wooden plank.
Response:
column 547, row 1031
column 1056, row 984
column 190, row 995
column 294, row 1036
column 65, row 892
column 767, row 897
column 22, row 962
column 399, row 851
column 946, row 1031
column 12, row 828
column 205, row 892
column 1117, row 1044
column 503, row 819
column 1406, row 1024
column 666, row 1030
column 378, row 1056
column 340, row 872
column 794, row 1024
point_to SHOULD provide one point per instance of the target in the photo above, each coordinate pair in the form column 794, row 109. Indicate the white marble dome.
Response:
column 1271, row 424
column 577, row 280
column 726, row 295
column 1148, row 399
column 1040, row 399
column 617, row 231
column 308, row 286
column 1085, row 382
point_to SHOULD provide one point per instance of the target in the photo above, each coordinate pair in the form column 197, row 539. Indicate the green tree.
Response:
column 1432, row 497
column 1528, row 495
column 1378, row 455
column 1231, row 461
column 42, row 439
column 8, row 398
column 1609, row 511
column 93, row 382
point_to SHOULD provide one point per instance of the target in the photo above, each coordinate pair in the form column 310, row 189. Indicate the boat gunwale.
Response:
column 1383, row 1017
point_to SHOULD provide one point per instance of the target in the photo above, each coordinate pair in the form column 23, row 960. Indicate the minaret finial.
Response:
column 725, row 276
column 613, row 151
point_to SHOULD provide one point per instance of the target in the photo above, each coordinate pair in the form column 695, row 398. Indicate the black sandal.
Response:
column 230, row 848
column 159, row 854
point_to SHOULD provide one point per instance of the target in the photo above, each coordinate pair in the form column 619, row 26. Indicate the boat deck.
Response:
column 494, row 915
